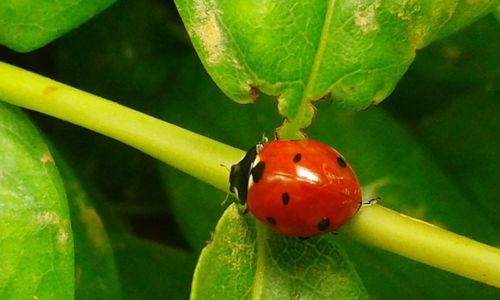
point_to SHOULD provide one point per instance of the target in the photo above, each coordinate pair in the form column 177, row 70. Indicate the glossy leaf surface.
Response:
column 36, row 242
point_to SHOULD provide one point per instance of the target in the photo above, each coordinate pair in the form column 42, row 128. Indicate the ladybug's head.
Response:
column 240, row 173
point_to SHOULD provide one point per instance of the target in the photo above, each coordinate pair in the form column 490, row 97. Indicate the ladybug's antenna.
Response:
column 264, row 139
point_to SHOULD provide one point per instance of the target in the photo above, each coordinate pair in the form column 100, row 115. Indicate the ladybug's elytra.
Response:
column 299, row 188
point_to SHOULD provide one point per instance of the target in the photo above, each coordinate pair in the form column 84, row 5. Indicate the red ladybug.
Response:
column 300, row 188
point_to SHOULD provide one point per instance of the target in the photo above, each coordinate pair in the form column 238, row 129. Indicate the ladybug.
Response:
column 300, row 188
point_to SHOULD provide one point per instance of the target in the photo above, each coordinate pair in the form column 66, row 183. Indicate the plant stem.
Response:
column 189, row 152
column 383, row 228
column 202, row 157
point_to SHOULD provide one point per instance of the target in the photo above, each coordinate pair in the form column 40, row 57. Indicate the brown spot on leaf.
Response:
column 254, row 93
column 46, row 157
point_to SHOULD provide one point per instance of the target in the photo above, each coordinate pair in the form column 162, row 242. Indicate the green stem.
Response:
column 202, row 157
column 189, row 152
column 426, row 243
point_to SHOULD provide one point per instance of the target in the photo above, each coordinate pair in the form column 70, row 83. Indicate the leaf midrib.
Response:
column 318, row 57
column 258, row 282
column 315, row 69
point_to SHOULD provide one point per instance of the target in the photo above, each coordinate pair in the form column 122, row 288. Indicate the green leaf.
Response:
column 304, row 51
column 247, row 261
column 95, row 269
column 36, row 242
column 31, row 24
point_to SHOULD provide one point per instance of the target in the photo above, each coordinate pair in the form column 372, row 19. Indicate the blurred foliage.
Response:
column 430, row 150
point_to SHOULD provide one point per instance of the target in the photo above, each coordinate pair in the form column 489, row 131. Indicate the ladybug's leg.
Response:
column 368, row 202
column 371, row 201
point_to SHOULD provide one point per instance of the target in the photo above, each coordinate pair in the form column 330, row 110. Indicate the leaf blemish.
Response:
column 47, row 218
column 365, row 17
column 51, row 219
column 208, row 30
column 62, row 236
column 46, row 157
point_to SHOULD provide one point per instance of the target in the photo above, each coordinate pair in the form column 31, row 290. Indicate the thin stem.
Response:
column 201, row 157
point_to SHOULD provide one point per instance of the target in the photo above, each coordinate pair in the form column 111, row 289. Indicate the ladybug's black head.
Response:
column 240, row 172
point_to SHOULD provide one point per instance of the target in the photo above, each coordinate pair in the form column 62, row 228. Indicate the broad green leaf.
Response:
column 301, row 51
column 246, row 261
column 31, row 24
column 95, row 269
column 36, row 243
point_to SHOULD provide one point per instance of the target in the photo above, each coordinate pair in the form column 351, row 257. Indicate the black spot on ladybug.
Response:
column 341, row 162
column 323, row 224
column 271, row 220
column 297, row 158
column 257, row 171
column 285, row 198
